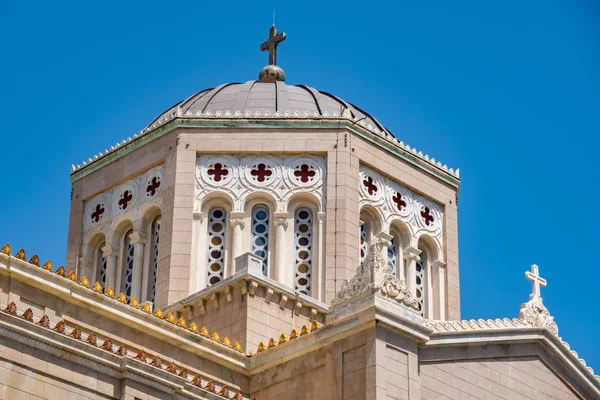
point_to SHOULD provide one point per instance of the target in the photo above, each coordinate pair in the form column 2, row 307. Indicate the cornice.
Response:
column 284, row 120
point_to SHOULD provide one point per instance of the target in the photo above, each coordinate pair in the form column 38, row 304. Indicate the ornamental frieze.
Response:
column 280, row 177
column 393, row 202
column 127, row 201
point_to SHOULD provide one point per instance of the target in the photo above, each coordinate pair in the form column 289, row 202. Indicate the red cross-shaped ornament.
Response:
column 304, row 174
column 370, row 185
column 426, row 214
column 218, row 172
column 399, row 201
column 260, row 172
column 97, row 214
column 153, row 186
column 125, row 199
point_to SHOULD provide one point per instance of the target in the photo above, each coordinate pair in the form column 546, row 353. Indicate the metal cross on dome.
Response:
column 536, row 283
column 272, row 43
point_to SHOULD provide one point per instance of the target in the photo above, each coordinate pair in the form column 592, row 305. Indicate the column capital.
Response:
column 438, row 264
column 281, row 218
column 321, row 215
column 384, row 239
column 138, row 237
column 110, row 250
column 411, row 253
column 237, row 218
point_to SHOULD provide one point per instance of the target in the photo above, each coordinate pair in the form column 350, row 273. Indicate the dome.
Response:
column 261, row 97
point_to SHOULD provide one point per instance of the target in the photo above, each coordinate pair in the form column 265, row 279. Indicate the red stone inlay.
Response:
column 426, row 214
column 304, row 174
column 218, row 172
column 97, row 214
column 400, row 203
column 371, row 187
column 261, row 172
column 126, row 199
column 153, row 186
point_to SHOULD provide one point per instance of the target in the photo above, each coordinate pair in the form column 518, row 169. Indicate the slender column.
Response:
column 138, row 240
column 411, row 255
column 281, row 222
column 238, row 221
column 86, row 268
column 321, row 260
column 110, row 253
column 439, row 285
column 384, row 240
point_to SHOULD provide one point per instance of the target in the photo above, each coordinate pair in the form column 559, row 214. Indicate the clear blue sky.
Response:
column 510, row 94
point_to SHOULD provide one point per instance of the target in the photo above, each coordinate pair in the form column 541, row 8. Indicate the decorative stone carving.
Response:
column 127, row 201
column 239, row 177
column 534, row 313
column 395, row 202
column 375, row 275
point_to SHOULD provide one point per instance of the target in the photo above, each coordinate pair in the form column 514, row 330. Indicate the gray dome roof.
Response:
column 254, row 96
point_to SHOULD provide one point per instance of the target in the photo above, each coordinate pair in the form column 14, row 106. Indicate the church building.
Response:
column 261, row 240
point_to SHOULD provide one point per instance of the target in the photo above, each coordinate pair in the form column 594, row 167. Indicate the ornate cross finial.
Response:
column 272, row 43
column 536, row 283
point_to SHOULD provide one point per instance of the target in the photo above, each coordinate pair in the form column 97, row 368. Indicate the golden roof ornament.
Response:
column 293, row 334
column 21, row 255
column 122, row 351
column 76, row 333
column 158, row 313
column 107, row 345
column 110, row 293
column 227, row 342
column 215, row 336
column 314, row 326
column 85, row 282
column 72, row 276
column 183, row 373
column 28, row 315
column 6, row 249
column 224, row 391
column 172, row 368
column 134, row 303
column 48, row 266
column 11, row 308
column 283, row 338
column 122, row 298
column 272, row 343
column 35, row 260
column 60, row 327
column 97, row 287
column 146, row 307
column 238, row 347
column 141, row 355
column 44, row 322
column 193, row 327
column 204, row 332
column 170, row 318
column 304, row 330
column 211, row 387
column 156, row 361
column 61, row 271
column 181, row 322
column 91, row 339
column 197, row 380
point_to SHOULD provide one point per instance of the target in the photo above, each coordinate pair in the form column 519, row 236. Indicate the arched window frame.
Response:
column 256, row 235
column 318, row 223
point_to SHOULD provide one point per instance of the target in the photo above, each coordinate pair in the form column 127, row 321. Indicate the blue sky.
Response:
column 509, row 93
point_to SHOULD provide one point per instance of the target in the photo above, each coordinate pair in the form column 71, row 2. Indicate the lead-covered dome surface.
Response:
column 258, row 97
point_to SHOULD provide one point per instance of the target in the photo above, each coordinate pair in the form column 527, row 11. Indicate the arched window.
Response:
column 217, row 224
column 364, row 240
column 260, row 234
column 303, row 238
column 101, row 265
column 392, row 255
column 127, row 266
column 421, row 268
column 153, row 259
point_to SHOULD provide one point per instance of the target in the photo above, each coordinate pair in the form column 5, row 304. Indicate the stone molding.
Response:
column 374, row 275
column 164, row 126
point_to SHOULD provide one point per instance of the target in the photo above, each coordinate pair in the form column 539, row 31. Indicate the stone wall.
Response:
column 511, row 378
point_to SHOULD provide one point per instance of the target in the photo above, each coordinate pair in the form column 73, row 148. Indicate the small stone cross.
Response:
column 127, row 197
column 370, row 186
column 97, row 213
column 399, row 201
column 261, row 172
column 536, row 283
column 153, row 186
column 272, row 43
column 426, row 214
